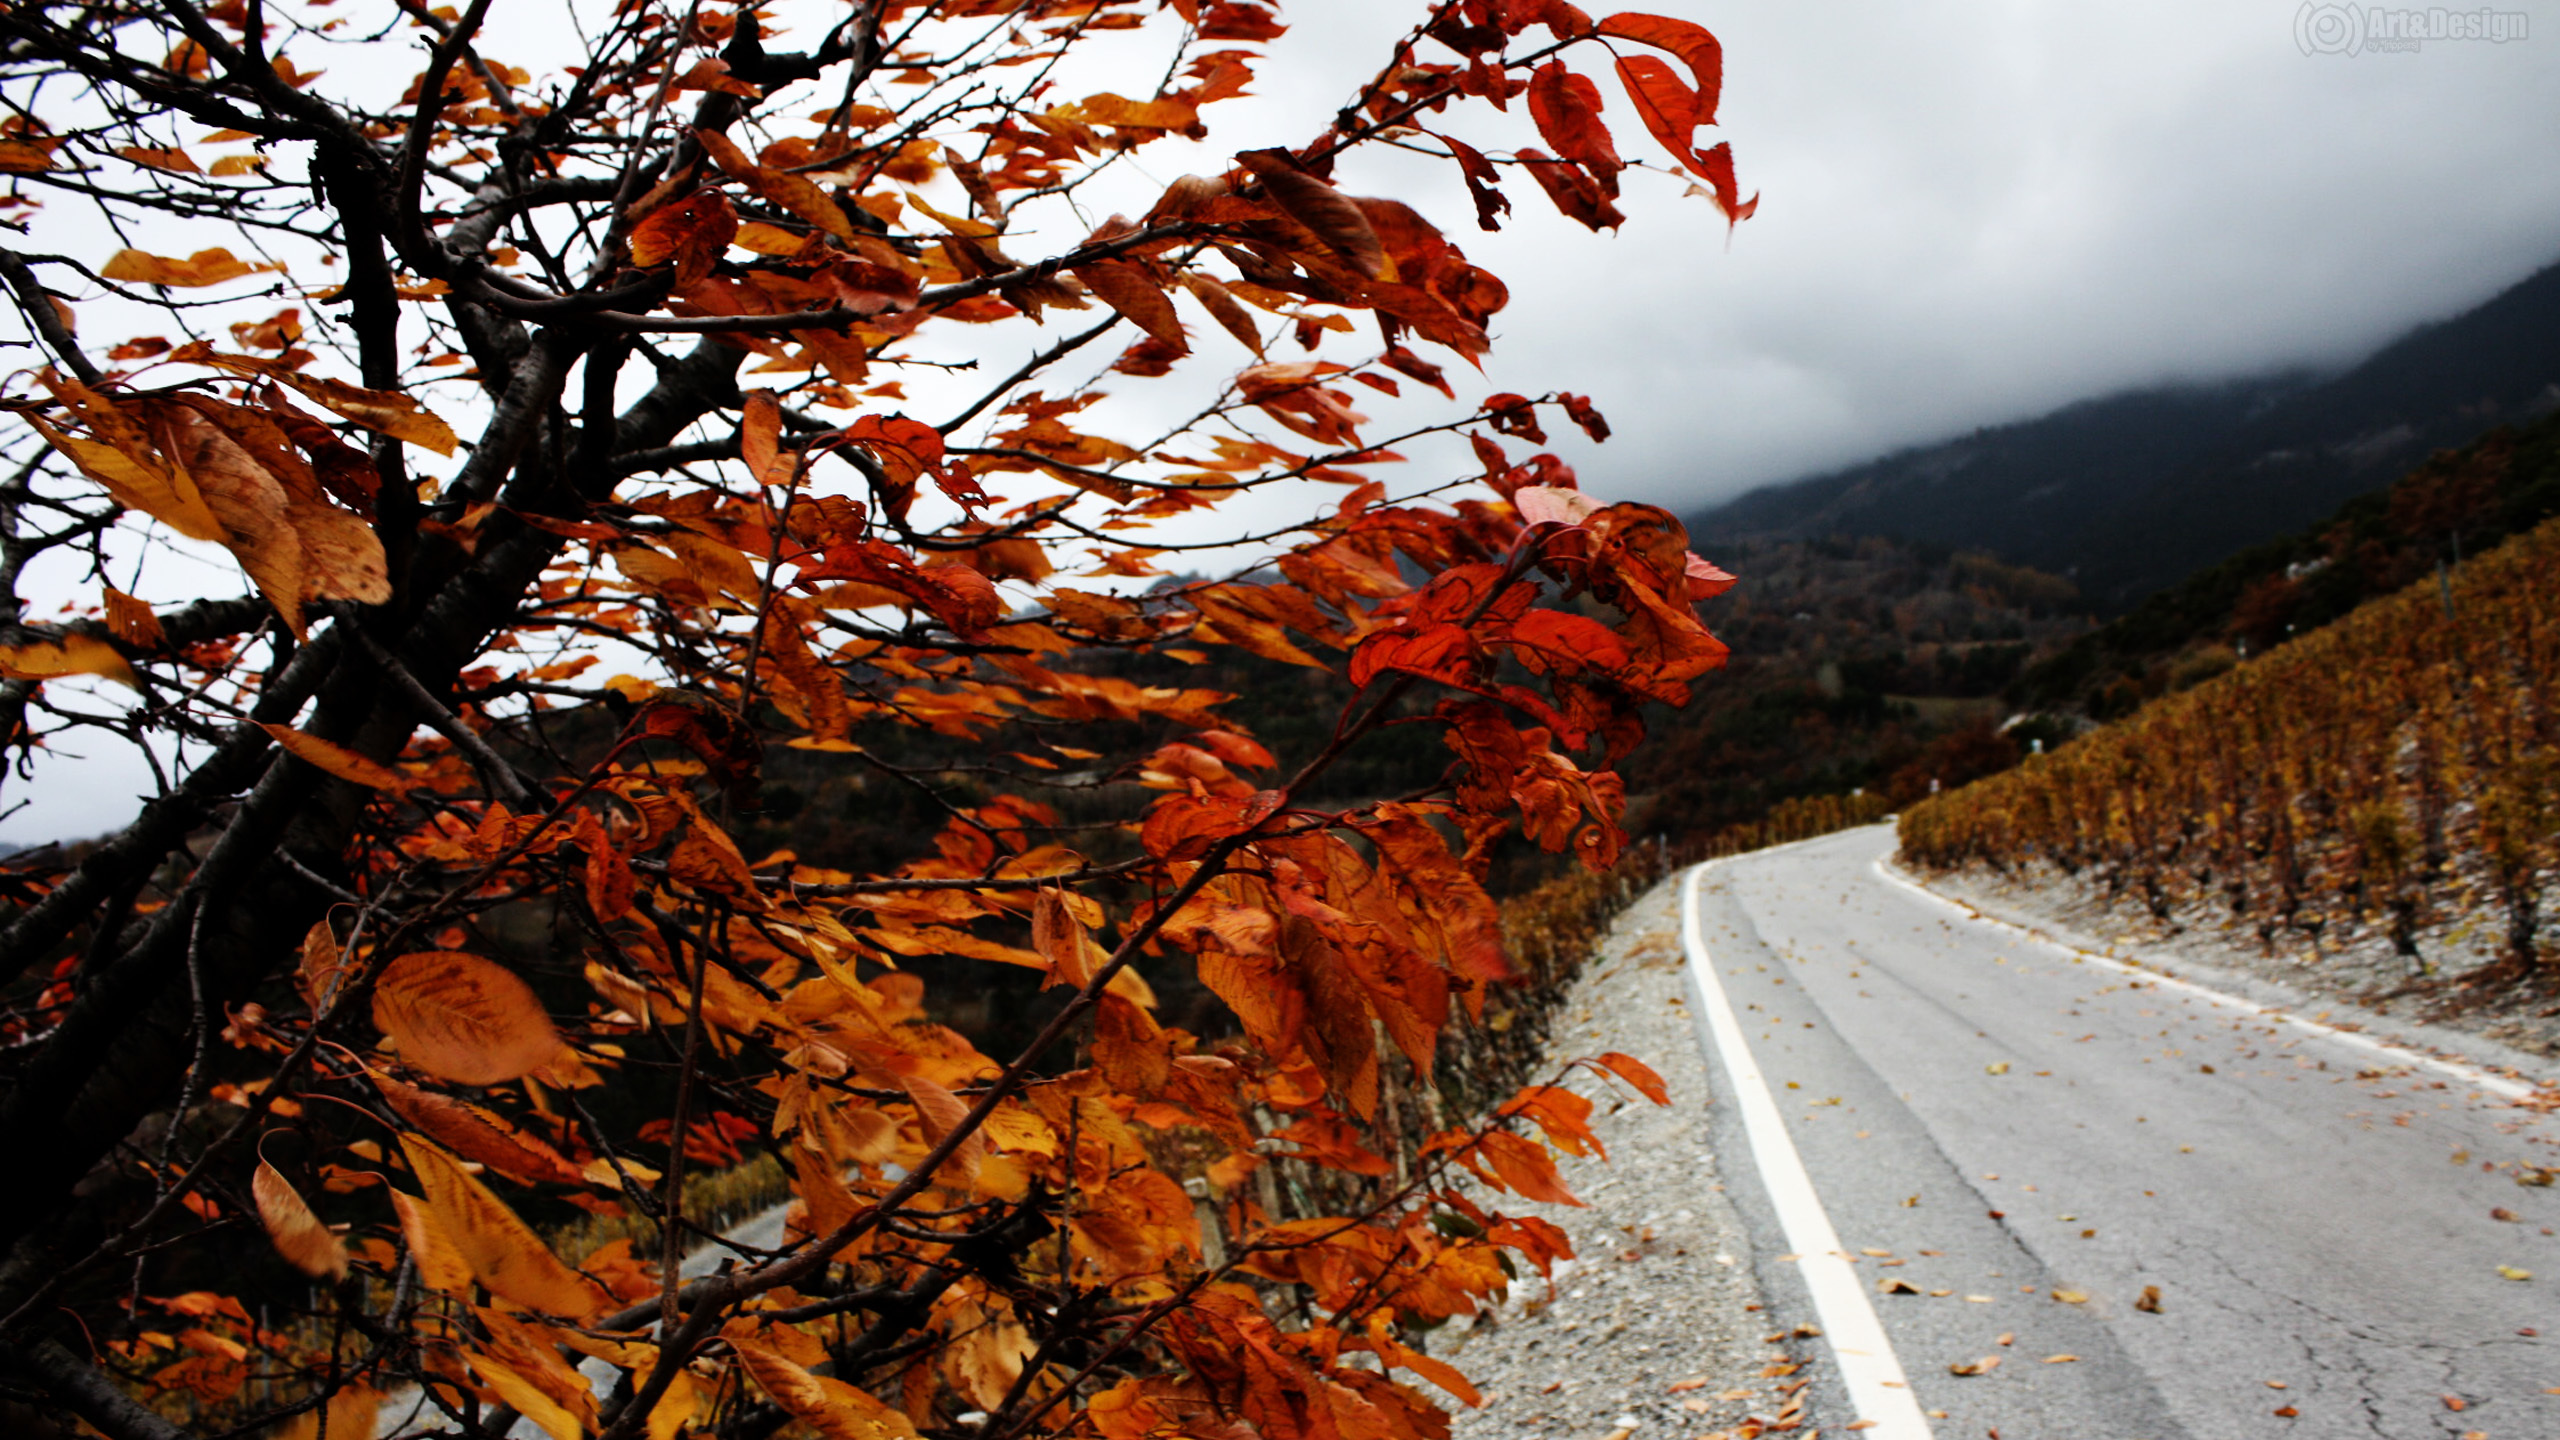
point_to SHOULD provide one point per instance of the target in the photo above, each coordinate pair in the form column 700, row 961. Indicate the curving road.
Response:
column 2029, row 1141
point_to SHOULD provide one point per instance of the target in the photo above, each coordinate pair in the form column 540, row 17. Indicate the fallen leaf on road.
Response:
column 2071, row 1297
column 2501, row 1212
column 1871, row 1250
column 2276, row 1385
column 1940, row 1294
column 2454, row 1402
column 1977, row 1299
column 1683, row 1387
column 2061, row 1359
column 1996, row 1067
column 2149, row 1304
column 1699, row 1406
column 1983, row 1366
column 2513, row 1273
column 2286, row 1412
column 1892, row 1285
column 2006, row 1338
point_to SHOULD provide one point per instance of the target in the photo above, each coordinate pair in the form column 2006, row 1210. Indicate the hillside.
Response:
column 2457, row 502
column 2375, row 798
column 2127, row 494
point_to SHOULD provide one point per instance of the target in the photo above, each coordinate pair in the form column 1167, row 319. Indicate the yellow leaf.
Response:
column 2071, row 1297
column 527, row 1399
column 337, row 759
column 502, row 1251
column 205, row 267
column 380, row 411
column 2512, row 1273
column 440, row 1264
column 70, row 655
column 298, row 1234
column 1996, row 1067
column 353, row 1412
column 462, row 1018
column 834, row 1409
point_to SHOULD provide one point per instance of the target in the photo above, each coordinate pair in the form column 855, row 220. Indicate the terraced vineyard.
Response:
column 2390, row 778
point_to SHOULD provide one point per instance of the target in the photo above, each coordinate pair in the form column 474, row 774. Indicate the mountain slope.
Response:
column 2129, row 493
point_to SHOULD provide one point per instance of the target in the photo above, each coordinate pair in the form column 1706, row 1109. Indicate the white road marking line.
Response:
column 2455, row 1069
column 1868, row 1367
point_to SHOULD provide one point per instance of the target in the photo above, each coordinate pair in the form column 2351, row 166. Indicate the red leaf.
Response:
column 1183, row 827
column 1572, row 190
column 1567, row 109
column 1434, row 651
column 1694, row 44
column 1480, row 174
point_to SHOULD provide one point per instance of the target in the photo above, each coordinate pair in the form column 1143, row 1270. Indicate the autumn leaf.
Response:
column 1635, row 1072
column 298, row 1234
column 1696, row 46
column 1326, row 212
column 73, row 654
column 463, row 1018
column 205, row 267
column 1566, row 107
column 336, row 759
column 1125, row 288
column 690, row 234
column 827, row 1405
column 501, row 1250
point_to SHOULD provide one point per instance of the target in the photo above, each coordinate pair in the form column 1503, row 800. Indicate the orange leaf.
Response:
column 298, row 1234
column 205, row 267
column 156, row 157
column 834, row 1409
column 691, row 234
column 462, row 1018
column 502, row 1251
column 760, row 437
column 478, row 1135
column 322, row 963
column 1635, row 1072
column 1525, row 1167
column 134, row 621
column 942, row 1112
column 337, row 759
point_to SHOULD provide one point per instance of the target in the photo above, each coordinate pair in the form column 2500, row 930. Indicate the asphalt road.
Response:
column 2032, row 1143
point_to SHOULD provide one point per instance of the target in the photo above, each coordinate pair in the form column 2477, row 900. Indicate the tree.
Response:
column 437, row 934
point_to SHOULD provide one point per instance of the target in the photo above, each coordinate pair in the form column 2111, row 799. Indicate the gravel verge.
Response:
column 1653, row 1330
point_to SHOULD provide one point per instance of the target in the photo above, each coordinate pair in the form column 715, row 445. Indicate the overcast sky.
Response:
column 1974, row 212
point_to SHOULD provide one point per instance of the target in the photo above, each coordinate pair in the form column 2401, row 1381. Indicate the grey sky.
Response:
column 1973, row 212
